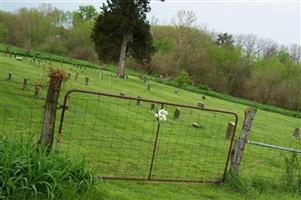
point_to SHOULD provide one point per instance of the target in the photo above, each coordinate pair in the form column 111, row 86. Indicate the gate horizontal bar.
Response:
column 273, row 146
column 157, row 179
column 148, row 100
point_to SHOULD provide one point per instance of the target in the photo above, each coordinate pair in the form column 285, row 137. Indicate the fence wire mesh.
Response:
column 121, row 138
column 280, row 164
column 20, row 111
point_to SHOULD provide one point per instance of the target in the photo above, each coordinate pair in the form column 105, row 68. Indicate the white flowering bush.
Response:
column 161, row 115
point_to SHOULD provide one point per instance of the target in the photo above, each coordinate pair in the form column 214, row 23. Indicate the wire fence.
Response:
column 20, row 111
column 117, row 136
column 121, row 138
column 273, row 153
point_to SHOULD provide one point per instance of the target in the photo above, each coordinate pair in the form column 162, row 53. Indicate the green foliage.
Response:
column 164, row 45
column 183, row 78
column 86, row 13
column 29, row 173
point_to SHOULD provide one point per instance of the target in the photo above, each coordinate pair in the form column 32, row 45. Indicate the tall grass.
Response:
column 257, row 185
column 27, row 172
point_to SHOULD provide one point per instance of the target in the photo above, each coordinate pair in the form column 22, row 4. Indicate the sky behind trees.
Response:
column 274, row 19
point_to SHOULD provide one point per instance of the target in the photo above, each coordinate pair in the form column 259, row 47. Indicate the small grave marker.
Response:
column 200, row 105
column 177, row 113
column 76, row 76
column 148, row 86
column 24, row 84
column 230, row 131
column 10, row 75
column 138, row 100
column 87, row 80
column 196, row 125
column 19, row 58
column 37, row 91
column 296, row 133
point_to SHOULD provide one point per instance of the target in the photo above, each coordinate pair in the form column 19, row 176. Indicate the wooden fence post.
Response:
column 47, row 133
column 238, row 148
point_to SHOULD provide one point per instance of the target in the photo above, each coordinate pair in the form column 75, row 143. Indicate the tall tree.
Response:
column 225, row 40
column 122, row 28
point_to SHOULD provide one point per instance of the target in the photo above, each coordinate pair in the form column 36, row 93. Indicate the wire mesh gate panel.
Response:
column 121, row 138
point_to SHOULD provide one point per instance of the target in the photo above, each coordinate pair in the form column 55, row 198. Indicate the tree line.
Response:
column 242, row 65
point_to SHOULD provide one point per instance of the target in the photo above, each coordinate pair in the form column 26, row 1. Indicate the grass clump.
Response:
column 30, row 173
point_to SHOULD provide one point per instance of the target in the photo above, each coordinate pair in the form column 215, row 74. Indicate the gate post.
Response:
column 154, row 148
column 238, row 148
column 47, row 133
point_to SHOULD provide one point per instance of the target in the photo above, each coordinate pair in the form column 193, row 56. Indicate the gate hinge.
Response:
column 62, row 107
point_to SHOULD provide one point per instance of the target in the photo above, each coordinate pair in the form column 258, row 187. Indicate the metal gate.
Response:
column 121, row 138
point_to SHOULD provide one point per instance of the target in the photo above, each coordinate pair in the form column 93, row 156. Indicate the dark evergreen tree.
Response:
column 224, row 39
column 122, row 28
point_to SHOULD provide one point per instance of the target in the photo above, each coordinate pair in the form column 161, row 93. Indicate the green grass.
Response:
column 116, row 136
column 31, row 173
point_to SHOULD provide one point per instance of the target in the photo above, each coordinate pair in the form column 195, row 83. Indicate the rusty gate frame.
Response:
column 162, row 103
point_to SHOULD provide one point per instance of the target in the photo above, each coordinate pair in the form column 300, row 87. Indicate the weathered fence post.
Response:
column 24, row 84
column 238, row 148
column 47, row 133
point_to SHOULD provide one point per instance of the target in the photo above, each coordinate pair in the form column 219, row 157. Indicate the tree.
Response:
column 83, row 14
column 122, row 28
column 224, row 39
column 184, row 19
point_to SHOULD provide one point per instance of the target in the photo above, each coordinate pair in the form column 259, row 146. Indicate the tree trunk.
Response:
column 123, row 47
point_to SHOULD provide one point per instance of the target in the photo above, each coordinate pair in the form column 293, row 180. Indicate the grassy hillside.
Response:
column 82, row 64
column 101, row 130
